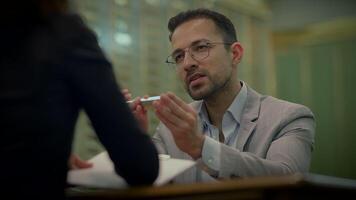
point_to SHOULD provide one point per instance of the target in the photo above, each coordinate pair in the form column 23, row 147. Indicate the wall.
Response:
column 316, row 66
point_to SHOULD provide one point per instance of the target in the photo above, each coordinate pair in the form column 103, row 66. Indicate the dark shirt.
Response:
column 51, row 70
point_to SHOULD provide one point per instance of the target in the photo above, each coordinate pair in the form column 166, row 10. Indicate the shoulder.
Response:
column 282, row 108
column 69, row 26
column 279, row 114
column 280, row 117
column 72, row 34
column 273, row 109
column 77, row 42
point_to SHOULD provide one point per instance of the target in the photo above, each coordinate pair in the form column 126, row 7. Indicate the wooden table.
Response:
column 297, row 186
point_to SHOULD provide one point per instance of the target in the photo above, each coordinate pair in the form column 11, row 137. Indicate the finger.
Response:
column 125, row 90
column 77, row 163
column 141, row 116
column 141, row 109
column 81, row 164
column 165, row 113
column 174, row 107
column 126, row 93
column 178, row 131
column 186, row 107
column 128, row 96
column 172, row 127
column 134, row 103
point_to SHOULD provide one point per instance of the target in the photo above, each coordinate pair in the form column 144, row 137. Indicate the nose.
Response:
column 189, row 62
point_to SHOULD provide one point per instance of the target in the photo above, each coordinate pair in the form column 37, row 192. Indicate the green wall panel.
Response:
column 331, row 79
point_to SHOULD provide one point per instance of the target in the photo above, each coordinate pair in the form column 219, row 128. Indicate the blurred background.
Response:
column 302, row 51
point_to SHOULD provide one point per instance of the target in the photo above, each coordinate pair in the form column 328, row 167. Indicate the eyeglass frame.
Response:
column 209, row 44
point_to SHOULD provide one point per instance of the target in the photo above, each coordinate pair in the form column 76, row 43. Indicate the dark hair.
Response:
column 223, row 23
column 19, row 19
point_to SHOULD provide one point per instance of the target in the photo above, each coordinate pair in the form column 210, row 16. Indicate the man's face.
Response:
column 210, row 75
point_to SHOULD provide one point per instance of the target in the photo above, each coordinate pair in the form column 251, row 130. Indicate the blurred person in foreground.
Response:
column 230, row 129
column 51, row 67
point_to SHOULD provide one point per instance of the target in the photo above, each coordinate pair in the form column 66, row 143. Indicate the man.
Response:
column 230, row 129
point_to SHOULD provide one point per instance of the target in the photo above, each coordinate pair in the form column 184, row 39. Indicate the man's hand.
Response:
column 138, row 110
column 182, row 121
column 76, row 163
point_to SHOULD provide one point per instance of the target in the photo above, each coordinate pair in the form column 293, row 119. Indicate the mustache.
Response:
column 193, row 74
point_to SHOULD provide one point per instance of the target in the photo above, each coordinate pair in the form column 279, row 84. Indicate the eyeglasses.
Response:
column 198, row 51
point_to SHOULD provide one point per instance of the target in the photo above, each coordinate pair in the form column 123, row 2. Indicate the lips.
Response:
column 193, row 77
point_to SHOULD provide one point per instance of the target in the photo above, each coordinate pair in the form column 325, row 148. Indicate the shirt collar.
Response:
column 238, row 104
column 235, row 109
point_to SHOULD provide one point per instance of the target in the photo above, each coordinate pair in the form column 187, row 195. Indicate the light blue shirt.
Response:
column 230, row 126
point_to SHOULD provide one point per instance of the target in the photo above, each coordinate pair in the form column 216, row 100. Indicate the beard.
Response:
column 206, row 91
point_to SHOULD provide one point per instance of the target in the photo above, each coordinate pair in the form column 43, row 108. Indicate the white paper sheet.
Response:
column 102, row 174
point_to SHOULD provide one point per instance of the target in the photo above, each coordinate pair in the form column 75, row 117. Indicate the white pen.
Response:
column 146, row 101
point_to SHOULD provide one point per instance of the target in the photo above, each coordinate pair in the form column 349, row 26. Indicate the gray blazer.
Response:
column 275, row 137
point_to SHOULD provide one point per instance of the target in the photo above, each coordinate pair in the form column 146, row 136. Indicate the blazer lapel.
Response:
column 248, row 118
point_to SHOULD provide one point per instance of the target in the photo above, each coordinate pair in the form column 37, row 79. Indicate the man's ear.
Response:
column 237, row 52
